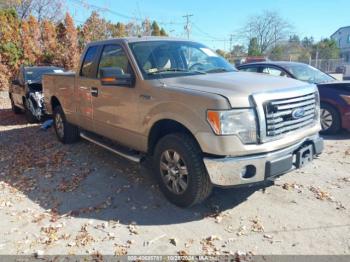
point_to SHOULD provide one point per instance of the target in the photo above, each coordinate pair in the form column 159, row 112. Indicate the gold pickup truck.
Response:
column 202, row 122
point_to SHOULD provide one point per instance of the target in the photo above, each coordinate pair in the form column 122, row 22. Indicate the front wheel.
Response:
column 66, row 132
column 180, row 170
column 15, row 109
column 330, row 120
column 31, row 118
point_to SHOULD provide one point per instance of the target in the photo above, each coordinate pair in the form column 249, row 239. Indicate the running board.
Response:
column 132, row 156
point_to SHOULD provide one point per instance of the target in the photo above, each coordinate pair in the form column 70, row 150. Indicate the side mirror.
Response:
column 15, row 82
column 115, row 76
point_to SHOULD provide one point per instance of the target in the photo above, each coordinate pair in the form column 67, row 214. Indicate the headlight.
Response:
column 240, row 122
column 346, row 99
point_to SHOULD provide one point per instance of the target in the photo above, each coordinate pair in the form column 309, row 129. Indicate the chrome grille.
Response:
column 286, row 115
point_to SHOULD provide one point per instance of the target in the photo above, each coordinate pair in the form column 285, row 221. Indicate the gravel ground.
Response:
column 80, row 199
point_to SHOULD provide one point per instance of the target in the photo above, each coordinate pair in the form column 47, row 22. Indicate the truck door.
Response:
column 86, row 81
column 115, row 108
column 18, row 88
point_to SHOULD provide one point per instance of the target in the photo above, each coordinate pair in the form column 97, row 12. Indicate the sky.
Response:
column 213, row 22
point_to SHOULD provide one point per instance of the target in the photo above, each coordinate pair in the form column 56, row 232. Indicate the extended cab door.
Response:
column 115, row 108
column 86, row 82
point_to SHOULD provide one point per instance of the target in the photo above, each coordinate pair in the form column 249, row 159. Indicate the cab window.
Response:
column 87, row 68
column 113, row 56
column 249, row 69
column 274, row 71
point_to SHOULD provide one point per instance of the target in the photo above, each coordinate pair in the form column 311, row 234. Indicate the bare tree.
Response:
column 269, row 28
column 42, row 9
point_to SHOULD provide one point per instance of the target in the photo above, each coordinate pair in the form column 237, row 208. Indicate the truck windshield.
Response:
column 162, row 59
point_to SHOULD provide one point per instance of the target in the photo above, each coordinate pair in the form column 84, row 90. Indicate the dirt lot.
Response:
column 80, row 199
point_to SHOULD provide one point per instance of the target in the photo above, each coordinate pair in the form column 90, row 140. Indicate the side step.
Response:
column 105, row 143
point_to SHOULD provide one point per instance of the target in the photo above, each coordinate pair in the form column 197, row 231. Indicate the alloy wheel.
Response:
column 59, row 125
column 174, row 172
column 326, row 119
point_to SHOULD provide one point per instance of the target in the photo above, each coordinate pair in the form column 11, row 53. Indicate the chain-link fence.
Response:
column 329, row 65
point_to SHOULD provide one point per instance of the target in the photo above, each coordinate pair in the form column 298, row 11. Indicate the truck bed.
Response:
column 59, row 85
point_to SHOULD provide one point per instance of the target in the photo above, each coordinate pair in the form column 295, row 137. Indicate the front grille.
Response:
column 287, row 115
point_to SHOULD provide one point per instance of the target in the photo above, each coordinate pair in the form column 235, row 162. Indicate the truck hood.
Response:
column 237, row 87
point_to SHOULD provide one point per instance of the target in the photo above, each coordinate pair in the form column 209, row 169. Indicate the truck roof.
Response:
column 137, row 39
column 41, row 67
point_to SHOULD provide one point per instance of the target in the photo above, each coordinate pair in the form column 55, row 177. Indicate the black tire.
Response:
column 332, row 127
column 198, row 182
column 28, row 114
column 15, row 109
column 70, row 133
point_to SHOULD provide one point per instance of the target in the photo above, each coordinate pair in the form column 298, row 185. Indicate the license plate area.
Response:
column 304, row 156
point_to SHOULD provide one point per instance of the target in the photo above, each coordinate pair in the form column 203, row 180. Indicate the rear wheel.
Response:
column 66, row 132
column 180, row 170
column 330, row 120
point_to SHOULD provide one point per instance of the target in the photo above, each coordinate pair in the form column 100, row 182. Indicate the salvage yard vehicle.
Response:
column 26, row 91
column 177, row 102
column 335, row 95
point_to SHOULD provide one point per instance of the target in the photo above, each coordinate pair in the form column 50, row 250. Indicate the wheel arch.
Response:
column 54, row 102
column 165, row 127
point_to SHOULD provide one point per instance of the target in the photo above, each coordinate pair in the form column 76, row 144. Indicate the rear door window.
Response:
column 88, row 68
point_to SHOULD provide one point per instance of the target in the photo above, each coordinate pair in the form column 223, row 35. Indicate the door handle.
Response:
column 94, row 91
column 146, row 97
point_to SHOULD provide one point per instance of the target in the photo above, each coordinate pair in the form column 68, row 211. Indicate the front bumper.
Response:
column 233, row 171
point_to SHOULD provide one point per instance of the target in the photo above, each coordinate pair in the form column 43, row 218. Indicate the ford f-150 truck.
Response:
column 177, row 102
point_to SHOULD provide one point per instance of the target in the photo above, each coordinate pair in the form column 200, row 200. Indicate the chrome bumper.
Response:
column 232, row 171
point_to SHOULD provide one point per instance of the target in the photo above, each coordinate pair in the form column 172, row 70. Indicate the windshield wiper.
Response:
column 167, row 70
column 217, row 70
column 175, row 70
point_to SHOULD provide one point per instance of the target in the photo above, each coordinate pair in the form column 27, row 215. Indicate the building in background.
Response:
column 342, row 37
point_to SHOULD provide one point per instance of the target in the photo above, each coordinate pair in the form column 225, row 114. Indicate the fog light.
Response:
column 248, row 171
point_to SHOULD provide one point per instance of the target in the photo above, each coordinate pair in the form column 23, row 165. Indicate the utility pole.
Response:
column 187, row 26
column 231, row 41
column 230, row 48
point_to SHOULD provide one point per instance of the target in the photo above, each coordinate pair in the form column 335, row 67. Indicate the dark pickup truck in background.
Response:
column 26, row 91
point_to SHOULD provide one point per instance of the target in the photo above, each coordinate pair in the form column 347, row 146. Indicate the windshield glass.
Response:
column 36, row 74
column 161, row 59
column 309, row 74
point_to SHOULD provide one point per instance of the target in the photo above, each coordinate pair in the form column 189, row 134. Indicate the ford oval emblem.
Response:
column 298, row 113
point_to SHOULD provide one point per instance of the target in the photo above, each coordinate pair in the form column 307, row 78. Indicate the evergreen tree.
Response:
column 4, row 75
column 31, row 43
column 253, row 49
column 163, row 32
column 95, row 28
column 155, row 29
column 49, row 42
column 10, row 39
column 121, row 30
column 327, row 49
column 69, row 51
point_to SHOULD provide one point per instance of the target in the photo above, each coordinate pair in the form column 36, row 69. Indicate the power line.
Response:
column 86, row 5
column 205, row 33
